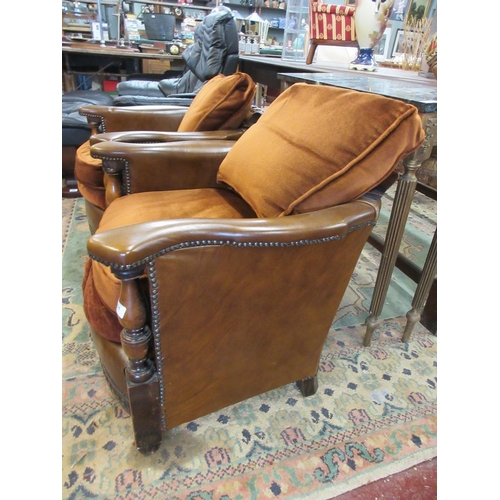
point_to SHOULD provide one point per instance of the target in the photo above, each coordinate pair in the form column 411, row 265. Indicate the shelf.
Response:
column 76, row 29
column 154, row 2
column 235, row 6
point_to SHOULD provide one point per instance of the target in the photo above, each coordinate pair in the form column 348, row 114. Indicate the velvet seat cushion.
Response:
column 348, row 145
column 100, row 287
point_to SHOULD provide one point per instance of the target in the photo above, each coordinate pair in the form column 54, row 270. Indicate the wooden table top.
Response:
column 96, row 49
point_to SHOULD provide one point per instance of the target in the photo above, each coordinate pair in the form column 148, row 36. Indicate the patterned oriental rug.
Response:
column 375, row 412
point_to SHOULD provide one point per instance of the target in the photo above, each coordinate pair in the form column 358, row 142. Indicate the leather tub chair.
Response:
column 222, row 110
column 202, row 297
column 214, row 52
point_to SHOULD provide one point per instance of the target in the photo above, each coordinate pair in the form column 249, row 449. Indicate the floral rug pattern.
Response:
column 374, row 413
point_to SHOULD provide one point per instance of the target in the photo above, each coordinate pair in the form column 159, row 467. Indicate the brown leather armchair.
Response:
column 221, row 110
column 204, row 296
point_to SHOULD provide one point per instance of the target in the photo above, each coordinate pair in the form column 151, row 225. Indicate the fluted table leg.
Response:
column 403, row 198
column 402, row 202
column 423, row 289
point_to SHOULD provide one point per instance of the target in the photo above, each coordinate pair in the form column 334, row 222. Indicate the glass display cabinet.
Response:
column 296, row 35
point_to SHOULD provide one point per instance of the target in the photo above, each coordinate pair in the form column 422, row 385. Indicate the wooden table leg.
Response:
column 429, row 313
column 402, row 202
column 423, row 289
column 258, row 95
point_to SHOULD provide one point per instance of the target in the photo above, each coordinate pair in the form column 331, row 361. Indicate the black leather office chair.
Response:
column 214, row 51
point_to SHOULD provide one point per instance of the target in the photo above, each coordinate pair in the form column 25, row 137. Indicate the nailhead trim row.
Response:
column 103, row 122
column 199, row 243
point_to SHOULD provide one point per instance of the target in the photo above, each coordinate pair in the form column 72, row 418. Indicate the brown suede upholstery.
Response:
column 220, row 291
column 324, row 160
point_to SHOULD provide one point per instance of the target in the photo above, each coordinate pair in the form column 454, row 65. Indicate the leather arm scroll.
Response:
column 164, row 166
column 131, row 246
column 122, row 118
column 155, row 136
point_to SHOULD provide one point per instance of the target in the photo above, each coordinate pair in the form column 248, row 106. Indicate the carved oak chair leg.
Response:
column 142, row 380
column 146, row 414
column 308, row 386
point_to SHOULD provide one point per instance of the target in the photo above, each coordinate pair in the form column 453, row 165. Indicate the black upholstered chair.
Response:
column 214, row 51
column 75, row 131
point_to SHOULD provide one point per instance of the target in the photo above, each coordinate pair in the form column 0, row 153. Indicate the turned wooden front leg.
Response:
column 399, row 214
column 113, row 179
column 140, row 373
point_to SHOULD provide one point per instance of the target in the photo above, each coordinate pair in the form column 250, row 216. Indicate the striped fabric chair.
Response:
column 330, row 25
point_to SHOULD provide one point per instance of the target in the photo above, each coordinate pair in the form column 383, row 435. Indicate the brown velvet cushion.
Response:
column 88, row 170
column 319, row 146
column 101, row 318
column 89, row 176
column 100, row 287
column 221, row 104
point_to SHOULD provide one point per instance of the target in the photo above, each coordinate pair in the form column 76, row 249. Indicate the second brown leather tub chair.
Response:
column 202, row 297
column 221, row 110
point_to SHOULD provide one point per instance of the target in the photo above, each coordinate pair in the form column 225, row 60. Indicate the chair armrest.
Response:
column 137, row 100
column 139, row 88
column 152, row 136
column 137, row 167
column 119, row 119
column 185, row 95
column 131, row 246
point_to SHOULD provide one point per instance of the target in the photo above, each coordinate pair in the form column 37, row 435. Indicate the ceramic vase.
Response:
column 370, row 19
